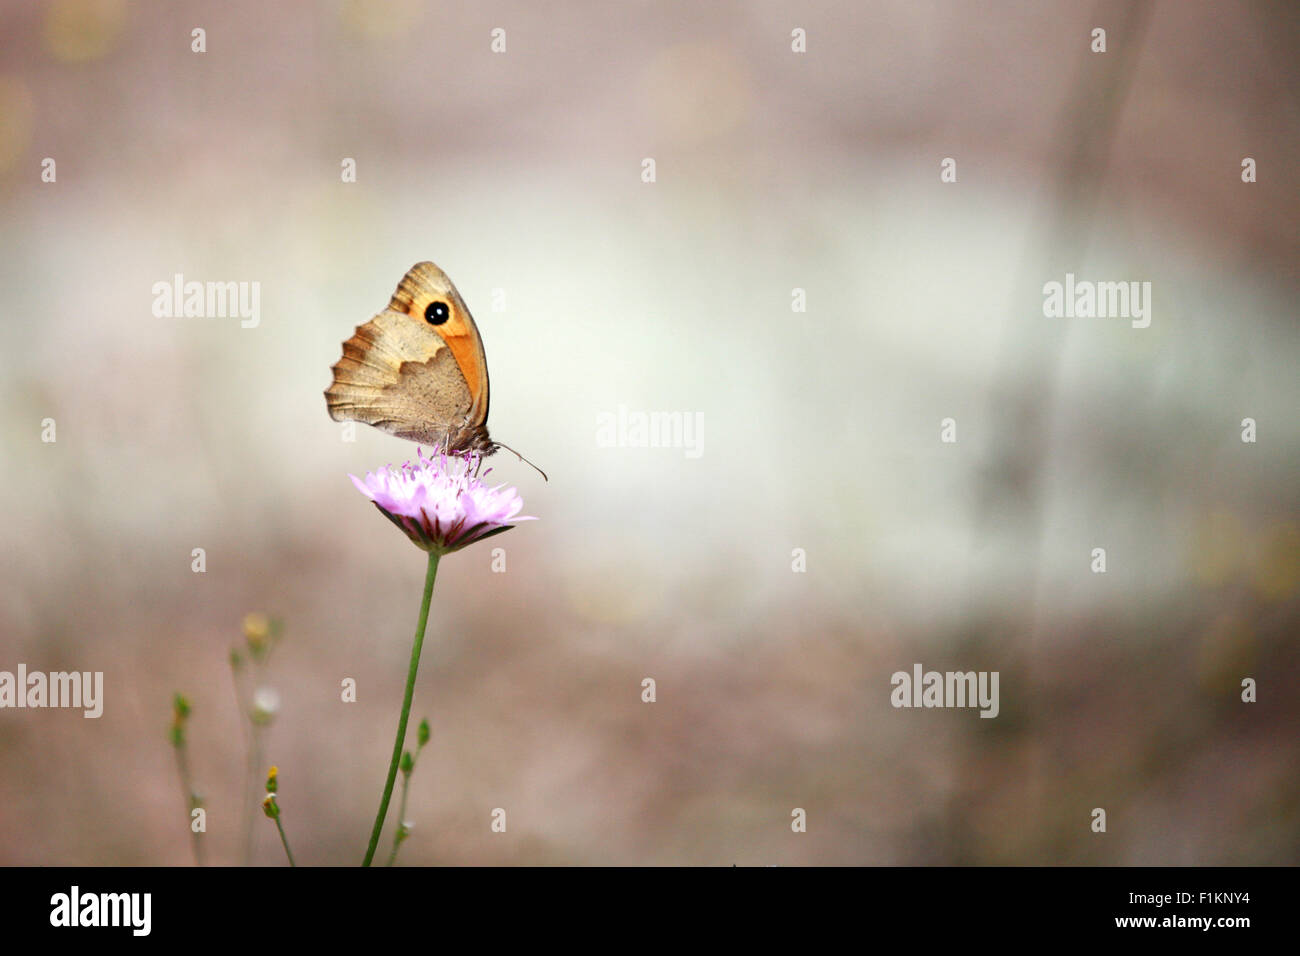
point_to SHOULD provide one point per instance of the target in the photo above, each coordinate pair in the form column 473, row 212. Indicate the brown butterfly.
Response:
column 417, row 370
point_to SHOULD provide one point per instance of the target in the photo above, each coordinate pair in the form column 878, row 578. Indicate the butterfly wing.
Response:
column 425, row 285
column 417, row 370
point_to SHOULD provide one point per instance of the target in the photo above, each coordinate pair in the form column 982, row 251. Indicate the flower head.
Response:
column 441, row 502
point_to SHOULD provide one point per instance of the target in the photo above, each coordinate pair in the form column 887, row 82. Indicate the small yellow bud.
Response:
column 256, row 629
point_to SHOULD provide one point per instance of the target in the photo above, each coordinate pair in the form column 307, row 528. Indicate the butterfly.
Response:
column 417, row 370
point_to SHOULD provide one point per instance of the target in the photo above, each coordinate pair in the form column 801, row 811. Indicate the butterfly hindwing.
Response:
column 417, row 370
column 425, row 285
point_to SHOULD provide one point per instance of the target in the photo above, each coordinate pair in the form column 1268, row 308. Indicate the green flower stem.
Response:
column 429, row 577
column 255, row 764
column 253, row 748
column 285, row 840
column 191, row 799
column 401, row 819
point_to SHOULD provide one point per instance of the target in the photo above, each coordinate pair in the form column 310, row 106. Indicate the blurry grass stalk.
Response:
column 260, row 635
column 408, row 765
column 430, row 576
column 180, row 714
column 284, row 841
column 403, row 830
column 1086, row 128
column 271, row 807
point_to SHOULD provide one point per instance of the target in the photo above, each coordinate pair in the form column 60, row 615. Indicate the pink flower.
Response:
column 441, row 502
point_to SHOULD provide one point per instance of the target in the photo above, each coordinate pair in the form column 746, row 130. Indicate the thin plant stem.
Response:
column 187, row 791
column 285, row 840
column 429, row 577
column 253, row 756
column 397, row 835
column 250, row 779
column 244, row 679
column 255, row 750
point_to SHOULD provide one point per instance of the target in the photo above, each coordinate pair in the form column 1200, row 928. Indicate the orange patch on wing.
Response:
column 458, row 338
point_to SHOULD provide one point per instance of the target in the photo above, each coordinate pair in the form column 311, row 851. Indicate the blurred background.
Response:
column 521, row 171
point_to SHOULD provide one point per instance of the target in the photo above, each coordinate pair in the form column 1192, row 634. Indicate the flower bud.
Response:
column 266, row 704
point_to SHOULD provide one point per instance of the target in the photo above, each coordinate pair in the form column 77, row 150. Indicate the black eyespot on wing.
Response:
column 436, row 312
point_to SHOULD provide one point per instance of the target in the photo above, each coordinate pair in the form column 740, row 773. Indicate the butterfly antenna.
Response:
column 497, row 444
